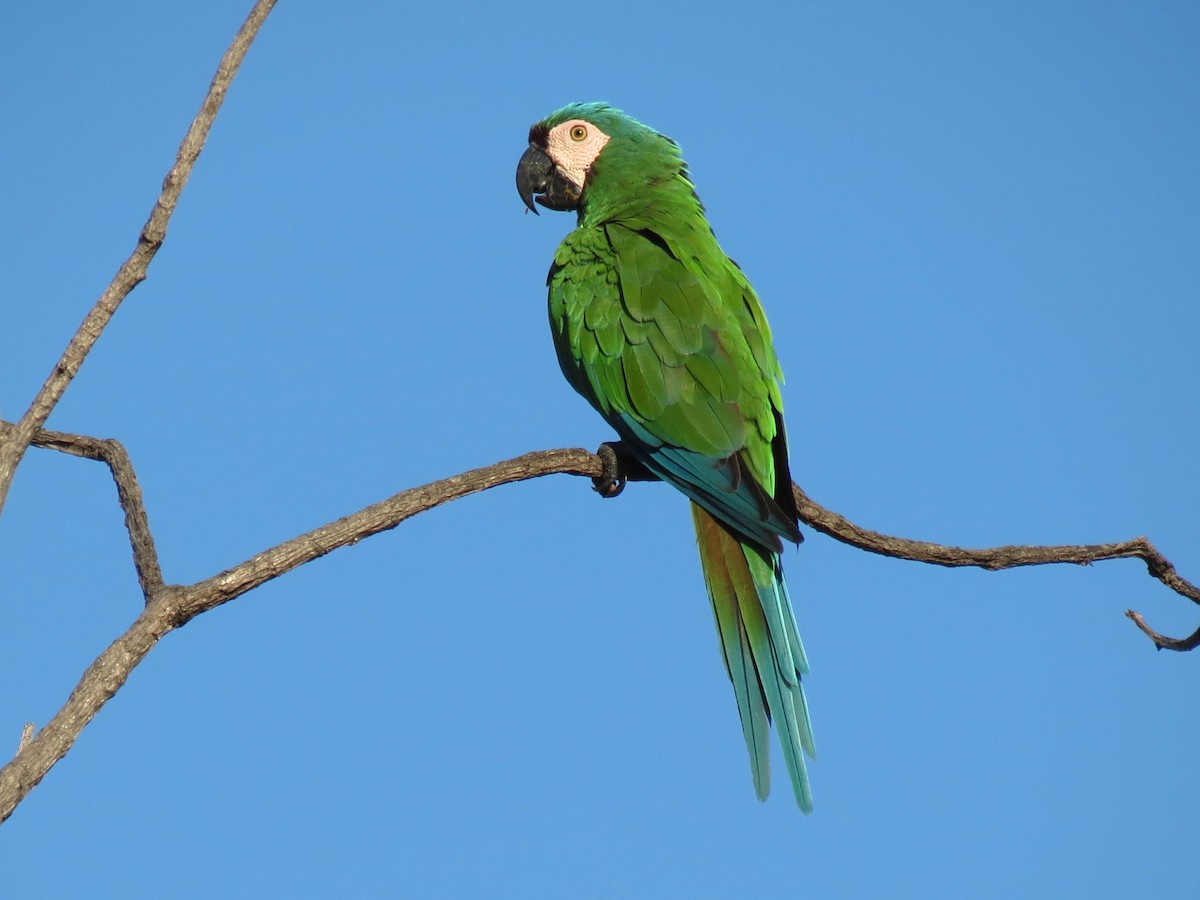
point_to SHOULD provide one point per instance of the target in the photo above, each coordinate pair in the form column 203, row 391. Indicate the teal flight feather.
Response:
column 661, row 332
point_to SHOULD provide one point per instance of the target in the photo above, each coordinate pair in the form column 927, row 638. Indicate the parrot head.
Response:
column 564, row 155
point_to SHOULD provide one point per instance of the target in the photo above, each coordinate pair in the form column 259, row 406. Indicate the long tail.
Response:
column 763, row 653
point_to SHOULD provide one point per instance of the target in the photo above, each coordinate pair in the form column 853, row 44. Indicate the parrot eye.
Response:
column 578, row 133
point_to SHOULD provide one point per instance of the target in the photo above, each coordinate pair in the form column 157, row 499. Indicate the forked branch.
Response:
column 132, row 272
column 1008, row 557
column 170, row 606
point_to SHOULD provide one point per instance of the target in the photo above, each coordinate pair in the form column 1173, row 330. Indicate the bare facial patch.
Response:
column 574, row 146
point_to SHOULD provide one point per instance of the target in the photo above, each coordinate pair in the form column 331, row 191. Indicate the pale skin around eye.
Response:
column 573, row 146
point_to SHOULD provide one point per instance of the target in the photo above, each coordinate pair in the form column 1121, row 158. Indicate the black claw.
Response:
column 611, row 480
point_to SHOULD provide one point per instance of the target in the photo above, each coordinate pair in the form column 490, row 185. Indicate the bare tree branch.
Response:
column 133, row 271
column 170, row 606
column 102, row 679
column 129, row 494
column 1191, row 642
column 1008, row 557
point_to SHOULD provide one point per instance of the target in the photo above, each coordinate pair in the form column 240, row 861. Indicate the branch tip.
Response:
column 1161, row 641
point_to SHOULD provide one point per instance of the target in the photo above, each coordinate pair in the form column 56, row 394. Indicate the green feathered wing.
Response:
column 664, row 336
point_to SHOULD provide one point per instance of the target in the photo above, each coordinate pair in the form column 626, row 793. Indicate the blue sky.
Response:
column 975, row 229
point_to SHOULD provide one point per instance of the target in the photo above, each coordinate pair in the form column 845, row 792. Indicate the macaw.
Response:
column 661, row 332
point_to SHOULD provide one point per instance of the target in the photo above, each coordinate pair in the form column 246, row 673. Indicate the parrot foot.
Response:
column 618, row 466
column 611, row 480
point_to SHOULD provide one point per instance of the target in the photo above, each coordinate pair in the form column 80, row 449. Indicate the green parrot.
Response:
column 661, row 332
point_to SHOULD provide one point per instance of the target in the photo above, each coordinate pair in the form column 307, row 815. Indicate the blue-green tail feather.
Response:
column 762, row 649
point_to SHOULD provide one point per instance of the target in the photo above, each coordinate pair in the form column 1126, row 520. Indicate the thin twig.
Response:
column 1191, row 642
column 993, row 558
column 133, row 271
column 129, row 495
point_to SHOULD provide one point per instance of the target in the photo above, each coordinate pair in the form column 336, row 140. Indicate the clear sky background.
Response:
column 976, row 231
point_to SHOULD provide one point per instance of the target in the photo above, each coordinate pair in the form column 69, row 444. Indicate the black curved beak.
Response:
column 537, row 174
